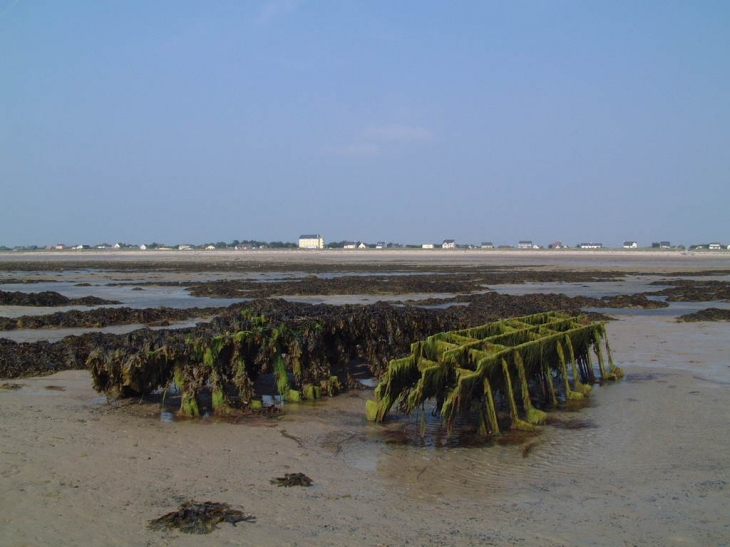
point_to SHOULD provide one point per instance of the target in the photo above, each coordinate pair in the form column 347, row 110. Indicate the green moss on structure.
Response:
column 311, row 392
column 371, row 410
column 462, row 370
column 281, row 374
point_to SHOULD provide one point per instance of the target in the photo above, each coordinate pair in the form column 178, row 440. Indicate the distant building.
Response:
column 556, row 245
column 349, row 245
column 524, row 245
column 185, row 247
column 61, row 246
column 362, row 245
column 590, row 246
column 380, row 245
column 427, row 246
column 143, row 247
column 487, row 245
column 630, row 244
column 311, row 241
column 448, row 244
column 715, row 246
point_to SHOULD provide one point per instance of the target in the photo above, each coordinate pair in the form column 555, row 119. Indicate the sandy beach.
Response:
column 645, row 462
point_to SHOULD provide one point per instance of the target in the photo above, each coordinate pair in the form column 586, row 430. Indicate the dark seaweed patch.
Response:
column 710, row 314
column 199, row 518
column 292, row 479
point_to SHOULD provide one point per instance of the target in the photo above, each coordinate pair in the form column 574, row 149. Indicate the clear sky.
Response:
column 410, row 121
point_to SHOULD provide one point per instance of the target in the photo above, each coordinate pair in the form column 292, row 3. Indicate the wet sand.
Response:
column 576, row 259
column 646, row 464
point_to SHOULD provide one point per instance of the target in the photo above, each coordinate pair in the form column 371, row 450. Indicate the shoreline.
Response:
column 644, row 261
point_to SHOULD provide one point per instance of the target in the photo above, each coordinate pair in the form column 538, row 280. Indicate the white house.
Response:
column 630, row 244
column 362, row 245
column 427, row 246
column 350, row 245
column 487, row 245
column 591, row 245
column 311, row 241
column 448, row 244
column 715, row 246
column 524, row 245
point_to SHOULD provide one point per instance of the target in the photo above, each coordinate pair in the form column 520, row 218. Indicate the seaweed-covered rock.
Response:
column 692, row 290
column 49, row 298
column 709, row 314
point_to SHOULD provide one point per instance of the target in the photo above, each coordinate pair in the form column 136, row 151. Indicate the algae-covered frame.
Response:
column 464, row 369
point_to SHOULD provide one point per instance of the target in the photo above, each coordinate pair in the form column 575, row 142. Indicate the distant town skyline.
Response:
column 416, row 122
column 381, row 243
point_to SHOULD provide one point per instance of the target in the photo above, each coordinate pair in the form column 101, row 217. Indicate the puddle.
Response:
column 643, row 377
column 269, row 401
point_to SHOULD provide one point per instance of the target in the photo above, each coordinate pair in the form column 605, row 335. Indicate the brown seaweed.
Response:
column 292, row 479
column 709, row 314
column 49, row 298
column 199, row 518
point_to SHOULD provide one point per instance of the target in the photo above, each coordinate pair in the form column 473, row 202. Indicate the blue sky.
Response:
column 409, row 121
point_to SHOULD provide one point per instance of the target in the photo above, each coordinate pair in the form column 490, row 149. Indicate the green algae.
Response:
column 515, row 358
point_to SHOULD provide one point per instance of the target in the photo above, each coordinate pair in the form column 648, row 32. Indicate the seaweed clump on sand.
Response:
column 513, row 360
column 633, row 301
column 49, row 298
column 292, row 479
column 304, row 350
column 709, row 314
column 199, row 518
column 692, row 290
column 103, row 317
